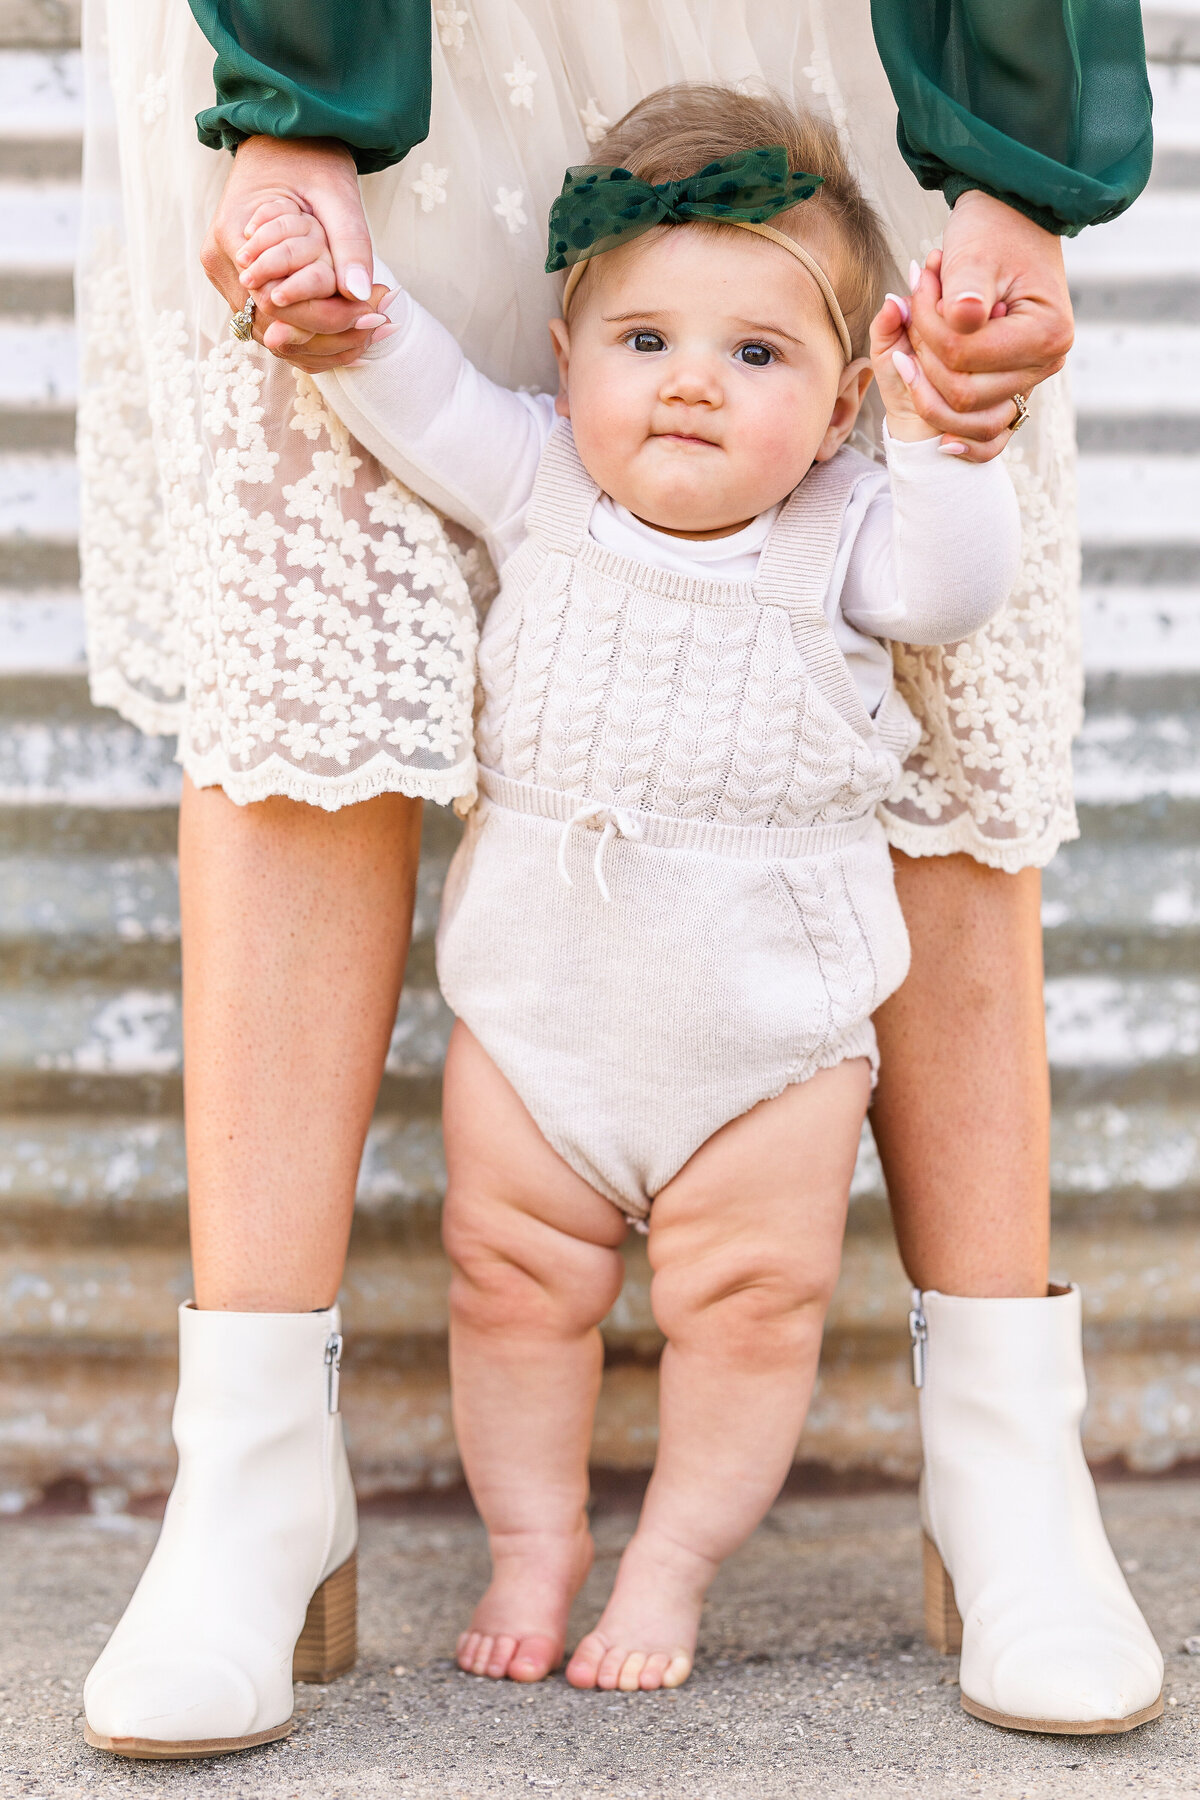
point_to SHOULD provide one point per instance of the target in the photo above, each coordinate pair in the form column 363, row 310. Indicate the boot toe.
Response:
column 172, row 1700
column 1075, row 1678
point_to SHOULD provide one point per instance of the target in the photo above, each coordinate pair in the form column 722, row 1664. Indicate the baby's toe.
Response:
column 500, row 1654
column 678, row 1669
column 533, row 1659
column 611, row 1664
column 629, row 1679
column 480, row 1653
column 655, row 1670
column 584, row 1666
column 468, row 1645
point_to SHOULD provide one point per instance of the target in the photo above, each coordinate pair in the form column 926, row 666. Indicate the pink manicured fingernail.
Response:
column 358, row 282
column 905, row 367
column 902, row 307
column 388, row 298
column 386, row 332
column 915, row 272
column 370, row 320
column 953, row 449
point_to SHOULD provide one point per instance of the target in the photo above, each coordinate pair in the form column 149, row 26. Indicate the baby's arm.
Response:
column 466, row 445
column 936, row 557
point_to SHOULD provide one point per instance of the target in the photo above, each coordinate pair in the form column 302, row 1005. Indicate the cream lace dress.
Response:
column 256, row 583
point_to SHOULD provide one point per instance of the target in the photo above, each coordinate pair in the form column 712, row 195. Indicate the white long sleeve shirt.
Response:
column 930, row 545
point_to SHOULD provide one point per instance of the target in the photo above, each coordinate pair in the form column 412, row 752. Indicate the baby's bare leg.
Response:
column 745, row 1244
column 536, row 1268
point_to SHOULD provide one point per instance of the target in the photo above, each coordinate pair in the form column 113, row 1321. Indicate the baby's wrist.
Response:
column 909, row 428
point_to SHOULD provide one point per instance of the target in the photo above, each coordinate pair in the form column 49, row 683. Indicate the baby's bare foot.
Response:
column 646, row 1637
column 519, row 1628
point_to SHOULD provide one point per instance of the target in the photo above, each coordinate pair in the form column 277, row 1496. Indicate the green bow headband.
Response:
column 601, row 208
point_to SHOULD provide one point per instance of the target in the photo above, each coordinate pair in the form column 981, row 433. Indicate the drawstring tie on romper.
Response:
column 616, row 823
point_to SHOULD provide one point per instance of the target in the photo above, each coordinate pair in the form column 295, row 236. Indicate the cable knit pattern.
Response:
column 674, row 898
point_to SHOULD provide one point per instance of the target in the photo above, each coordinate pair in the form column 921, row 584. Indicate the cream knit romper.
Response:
column 673, row 898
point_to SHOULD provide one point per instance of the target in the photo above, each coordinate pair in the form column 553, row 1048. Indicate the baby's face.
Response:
column 702, row 376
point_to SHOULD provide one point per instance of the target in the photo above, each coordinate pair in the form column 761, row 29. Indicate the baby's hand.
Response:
column 287, row 246
column 897, row 370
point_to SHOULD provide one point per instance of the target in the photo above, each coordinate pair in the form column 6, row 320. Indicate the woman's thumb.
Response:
column 968, row 293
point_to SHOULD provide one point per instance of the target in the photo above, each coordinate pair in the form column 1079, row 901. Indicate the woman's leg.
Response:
column 537, row 1265
column 745, row 1244
column 295, row 932
column 962, row 1111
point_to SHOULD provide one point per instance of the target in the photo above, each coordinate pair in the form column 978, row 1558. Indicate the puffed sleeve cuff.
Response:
column 1072, row 201
column 319, row 69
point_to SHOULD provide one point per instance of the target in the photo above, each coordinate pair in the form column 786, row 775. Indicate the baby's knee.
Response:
column 512, row 1272
column 751, row 1307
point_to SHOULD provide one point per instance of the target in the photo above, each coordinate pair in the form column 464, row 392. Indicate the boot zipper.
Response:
column 918, row 1331
column 333, row 1365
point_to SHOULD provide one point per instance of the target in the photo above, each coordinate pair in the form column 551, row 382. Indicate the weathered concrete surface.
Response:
column 812, row 1679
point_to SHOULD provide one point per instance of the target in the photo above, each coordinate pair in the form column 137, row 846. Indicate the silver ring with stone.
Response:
column 242, row 323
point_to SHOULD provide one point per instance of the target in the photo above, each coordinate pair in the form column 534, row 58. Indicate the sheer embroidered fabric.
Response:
column 257, row 584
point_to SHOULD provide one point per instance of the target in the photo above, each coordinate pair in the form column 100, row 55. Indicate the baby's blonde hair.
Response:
column 677, row 130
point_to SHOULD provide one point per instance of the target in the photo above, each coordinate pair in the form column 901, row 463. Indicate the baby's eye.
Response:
column 756, row 356
column 648, row 341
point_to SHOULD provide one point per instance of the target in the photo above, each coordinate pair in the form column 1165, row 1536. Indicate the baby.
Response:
column 672, row 914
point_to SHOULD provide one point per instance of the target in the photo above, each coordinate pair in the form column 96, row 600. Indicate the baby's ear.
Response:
column 852, row 391
column 560, row 337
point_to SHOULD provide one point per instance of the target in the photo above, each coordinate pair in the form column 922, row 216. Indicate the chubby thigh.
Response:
column 634, row 1029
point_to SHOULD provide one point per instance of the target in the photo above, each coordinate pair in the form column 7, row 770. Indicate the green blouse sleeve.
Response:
column 321, row 69
column 1044, row 104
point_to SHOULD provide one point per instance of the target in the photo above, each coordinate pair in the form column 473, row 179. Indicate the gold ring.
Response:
column 1022, row 404
column 242, row 323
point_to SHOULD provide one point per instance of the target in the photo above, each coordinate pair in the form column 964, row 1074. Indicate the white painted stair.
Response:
column 92, row 1181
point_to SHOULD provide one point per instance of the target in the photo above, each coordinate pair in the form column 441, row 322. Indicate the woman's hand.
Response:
column 317, row 324
column 990, row 318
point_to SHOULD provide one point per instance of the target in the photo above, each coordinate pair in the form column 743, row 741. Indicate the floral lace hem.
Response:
column 279, row 779
column 963, row 837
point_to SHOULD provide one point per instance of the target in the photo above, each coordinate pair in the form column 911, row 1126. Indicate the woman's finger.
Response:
column 977, row 426
column 974, row 393
column 277, row 336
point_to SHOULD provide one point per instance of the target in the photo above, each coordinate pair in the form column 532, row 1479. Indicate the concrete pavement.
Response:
column 813, row 1679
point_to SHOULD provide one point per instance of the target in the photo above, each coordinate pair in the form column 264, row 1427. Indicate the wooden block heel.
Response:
column 328, row 1645
column 943, row 1627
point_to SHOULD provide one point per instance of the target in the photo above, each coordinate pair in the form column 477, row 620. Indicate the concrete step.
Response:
column 39, row 227
column 1172, row 30
column 1141, row 630
column 41, row 633
column 1128, row 753
column 102, row 1028
column 41, row 95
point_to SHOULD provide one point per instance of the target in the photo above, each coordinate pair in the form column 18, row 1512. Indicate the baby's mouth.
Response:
column 687, row 437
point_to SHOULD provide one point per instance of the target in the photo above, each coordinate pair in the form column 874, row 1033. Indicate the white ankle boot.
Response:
column 253, row 1576
column 1018, row 1569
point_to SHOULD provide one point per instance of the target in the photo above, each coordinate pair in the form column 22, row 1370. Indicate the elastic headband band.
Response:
column 575, row 276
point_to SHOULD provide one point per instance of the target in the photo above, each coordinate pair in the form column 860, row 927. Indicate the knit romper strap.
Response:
column 563, row 497
column 794, row 572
